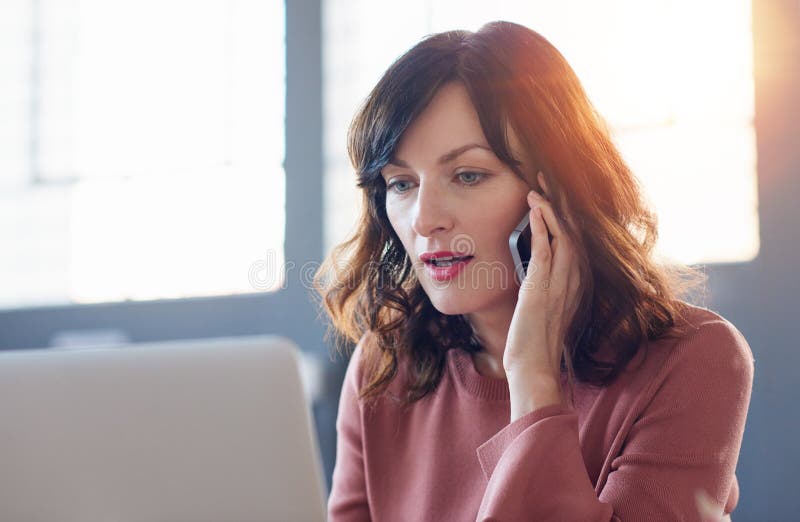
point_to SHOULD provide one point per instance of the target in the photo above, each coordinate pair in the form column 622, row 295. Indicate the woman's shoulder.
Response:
column 360, row 356
column 704, row 340
column 702, row 329
column 367, row 358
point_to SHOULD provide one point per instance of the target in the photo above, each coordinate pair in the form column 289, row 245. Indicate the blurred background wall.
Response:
column 323, row 71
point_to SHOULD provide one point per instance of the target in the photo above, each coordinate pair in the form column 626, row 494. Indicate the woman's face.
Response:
column 447, row 191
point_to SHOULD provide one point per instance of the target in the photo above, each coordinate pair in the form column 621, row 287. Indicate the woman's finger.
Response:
column 550, row 218
column 574, row 288
column 540, row 250
column 562, row 258
column 566, row 216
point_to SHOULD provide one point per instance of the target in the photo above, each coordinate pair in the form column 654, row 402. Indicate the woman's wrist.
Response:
column 529, row 392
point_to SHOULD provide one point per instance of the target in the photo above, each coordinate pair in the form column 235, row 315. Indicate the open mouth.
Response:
column 447, row 261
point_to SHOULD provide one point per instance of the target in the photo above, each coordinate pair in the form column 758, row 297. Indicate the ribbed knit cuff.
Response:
column 489, row 452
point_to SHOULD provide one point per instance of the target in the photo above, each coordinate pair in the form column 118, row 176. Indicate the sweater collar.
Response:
column 476, row 384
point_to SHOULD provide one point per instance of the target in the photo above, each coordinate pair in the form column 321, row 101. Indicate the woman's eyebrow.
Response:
column 450, row 156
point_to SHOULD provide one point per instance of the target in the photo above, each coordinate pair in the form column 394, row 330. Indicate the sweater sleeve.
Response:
column 348, row 498
column 683, row 444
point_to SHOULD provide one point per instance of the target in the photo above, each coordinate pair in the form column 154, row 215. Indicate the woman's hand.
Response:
column 545, row 306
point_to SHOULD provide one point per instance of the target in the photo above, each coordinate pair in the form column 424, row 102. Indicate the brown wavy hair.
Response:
column 515, row 78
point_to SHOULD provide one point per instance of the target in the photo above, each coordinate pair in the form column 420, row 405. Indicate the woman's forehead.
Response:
column 449, row 121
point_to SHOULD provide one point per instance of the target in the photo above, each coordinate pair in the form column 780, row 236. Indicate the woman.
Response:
column 587, row 391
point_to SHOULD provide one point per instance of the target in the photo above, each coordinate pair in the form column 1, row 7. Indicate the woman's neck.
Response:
column 490, row 327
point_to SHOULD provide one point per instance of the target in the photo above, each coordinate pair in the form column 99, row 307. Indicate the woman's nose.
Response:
column 432, row 213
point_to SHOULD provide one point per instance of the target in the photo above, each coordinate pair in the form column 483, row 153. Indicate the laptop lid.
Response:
column 204, row 430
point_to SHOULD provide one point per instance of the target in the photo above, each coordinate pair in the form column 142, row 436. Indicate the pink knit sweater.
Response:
column 641, row 449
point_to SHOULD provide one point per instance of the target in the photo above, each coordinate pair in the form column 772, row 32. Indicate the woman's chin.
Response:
column 451, row 304
column 450, row 310
column 478, row 301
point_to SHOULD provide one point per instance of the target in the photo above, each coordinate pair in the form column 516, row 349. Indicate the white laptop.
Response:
column 213, row 430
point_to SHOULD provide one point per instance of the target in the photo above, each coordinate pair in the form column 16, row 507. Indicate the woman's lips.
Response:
column 445, row 273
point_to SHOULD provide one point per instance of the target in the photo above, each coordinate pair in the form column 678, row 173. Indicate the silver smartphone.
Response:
column 520, row 243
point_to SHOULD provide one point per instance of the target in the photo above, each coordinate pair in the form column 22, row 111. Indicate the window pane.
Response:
column 148, row 238
column 680, row 109
column 152, row 150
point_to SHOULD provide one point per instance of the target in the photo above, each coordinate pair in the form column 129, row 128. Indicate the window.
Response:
column 673, row 79
column 143, row 148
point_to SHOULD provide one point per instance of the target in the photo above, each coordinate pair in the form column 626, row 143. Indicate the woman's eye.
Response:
column 403, row 186
column 394, row 186
column 471, row 178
